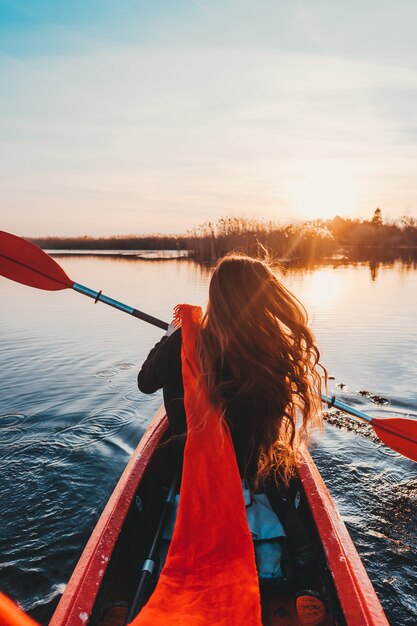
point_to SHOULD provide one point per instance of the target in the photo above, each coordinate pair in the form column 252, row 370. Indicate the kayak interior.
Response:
column 103, row 584
column 132, row 547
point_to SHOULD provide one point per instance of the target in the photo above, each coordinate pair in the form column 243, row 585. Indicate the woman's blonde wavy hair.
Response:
column 255, row 344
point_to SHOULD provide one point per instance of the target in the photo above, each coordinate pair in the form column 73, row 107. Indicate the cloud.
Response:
column 175, row 134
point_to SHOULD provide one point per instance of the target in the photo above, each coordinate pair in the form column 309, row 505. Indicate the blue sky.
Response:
column 123, row 117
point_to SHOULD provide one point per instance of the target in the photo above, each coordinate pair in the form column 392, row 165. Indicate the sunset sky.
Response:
column 154, row 116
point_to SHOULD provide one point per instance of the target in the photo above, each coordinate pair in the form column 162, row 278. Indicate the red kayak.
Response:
column 104, row 581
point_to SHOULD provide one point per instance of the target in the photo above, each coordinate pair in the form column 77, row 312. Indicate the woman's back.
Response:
column 258, row 360
column 162, row 369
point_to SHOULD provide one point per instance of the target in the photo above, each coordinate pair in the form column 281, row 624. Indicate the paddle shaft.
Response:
column 332, row 402
column 97, row 296
column 149, row 567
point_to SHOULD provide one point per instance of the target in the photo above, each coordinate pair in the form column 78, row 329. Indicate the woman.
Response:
column 259, row 363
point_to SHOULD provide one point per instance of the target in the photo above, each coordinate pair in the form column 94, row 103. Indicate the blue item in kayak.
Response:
column 266, row 530
column 267, row 533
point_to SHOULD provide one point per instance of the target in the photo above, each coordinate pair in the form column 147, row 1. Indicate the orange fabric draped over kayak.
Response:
column 210, row 576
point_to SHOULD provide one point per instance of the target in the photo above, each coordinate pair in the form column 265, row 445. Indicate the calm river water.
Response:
column 71, row 414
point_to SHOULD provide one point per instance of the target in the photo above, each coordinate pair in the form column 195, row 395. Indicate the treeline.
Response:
column 310, row 240
column 362, row 234
column 214, row 239
column 122, row 242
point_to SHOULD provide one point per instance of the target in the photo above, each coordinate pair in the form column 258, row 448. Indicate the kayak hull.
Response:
column 78, row 599
column 359, row 602
column 353, row 598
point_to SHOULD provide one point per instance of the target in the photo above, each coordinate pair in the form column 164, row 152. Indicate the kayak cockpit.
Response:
column 104, row 582
column 122, row 577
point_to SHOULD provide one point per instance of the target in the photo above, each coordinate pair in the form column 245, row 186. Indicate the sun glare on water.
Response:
column 323, row 289
column 323, row 190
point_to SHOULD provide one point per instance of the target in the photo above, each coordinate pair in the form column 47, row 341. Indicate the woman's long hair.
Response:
column 255, row 347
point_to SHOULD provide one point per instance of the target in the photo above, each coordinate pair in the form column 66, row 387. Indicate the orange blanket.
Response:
column 209, row 577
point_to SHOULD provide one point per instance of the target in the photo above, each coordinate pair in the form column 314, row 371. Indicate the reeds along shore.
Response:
column 310, row 240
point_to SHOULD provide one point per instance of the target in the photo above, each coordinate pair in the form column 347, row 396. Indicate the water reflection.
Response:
column 324, row 289
column 401, row 264
column 403, row 260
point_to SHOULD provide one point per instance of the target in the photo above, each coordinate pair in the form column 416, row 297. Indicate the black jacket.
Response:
column 162, row 370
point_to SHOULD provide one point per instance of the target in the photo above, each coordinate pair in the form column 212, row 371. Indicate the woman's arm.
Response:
column 162, row 365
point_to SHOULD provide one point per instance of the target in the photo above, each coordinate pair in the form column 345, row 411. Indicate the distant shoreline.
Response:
column 312, row 240
column 373, row 256
column 146, row 255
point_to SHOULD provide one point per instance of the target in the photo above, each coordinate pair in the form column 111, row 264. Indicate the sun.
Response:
column 323, row 190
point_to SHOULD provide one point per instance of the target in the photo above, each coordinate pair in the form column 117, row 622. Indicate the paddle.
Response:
column 398, row 433
column 25, row 263
column 148, row 571
column 12, row 615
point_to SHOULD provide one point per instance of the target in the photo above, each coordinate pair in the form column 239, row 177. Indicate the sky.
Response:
column 134, row 116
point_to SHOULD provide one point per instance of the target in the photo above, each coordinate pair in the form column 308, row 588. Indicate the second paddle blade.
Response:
column 25, row 263
column 398, row 433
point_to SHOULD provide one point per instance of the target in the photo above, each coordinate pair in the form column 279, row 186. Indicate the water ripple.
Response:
column 12, row 427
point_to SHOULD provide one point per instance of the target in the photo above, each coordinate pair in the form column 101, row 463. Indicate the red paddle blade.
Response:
column 12, row 615
column 25, row 263
column 398, row 433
